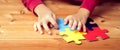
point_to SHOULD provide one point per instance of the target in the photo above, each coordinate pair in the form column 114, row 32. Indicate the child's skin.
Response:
column 47, row 16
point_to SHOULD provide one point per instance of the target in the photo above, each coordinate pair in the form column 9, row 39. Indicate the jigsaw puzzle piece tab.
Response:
column 75, row 36
column 92, row 34
column 68, row 39
column 89, row 25
column 102, row 33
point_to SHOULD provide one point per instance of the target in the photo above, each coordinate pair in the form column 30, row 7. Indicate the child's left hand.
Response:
column 78, row 19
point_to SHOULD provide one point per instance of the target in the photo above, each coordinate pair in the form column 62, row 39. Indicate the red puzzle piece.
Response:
column 92, row 34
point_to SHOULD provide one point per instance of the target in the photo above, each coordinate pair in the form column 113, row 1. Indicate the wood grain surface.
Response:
column 16, row 27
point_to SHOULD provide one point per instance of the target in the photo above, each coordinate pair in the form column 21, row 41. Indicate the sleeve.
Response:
column 31, row 4
column 89, row 4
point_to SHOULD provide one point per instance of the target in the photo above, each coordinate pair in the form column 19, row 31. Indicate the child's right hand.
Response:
column 45, row 16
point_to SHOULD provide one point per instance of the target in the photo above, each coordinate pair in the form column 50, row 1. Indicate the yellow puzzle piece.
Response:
column 75, row 36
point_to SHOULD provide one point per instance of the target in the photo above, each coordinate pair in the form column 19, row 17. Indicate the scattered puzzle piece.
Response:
column 92, row 34
column 75, row 36
column 89, row 25
column 61, row 25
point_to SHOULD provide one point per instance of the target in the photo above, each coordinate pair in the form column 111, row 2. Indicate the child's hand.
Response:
column 45, row 16
column 79, row 19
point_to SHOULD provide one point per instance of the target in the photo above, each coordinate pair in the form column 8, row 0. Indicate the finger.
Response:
column 74, row 25
column 79, row 25
column 35, row 26
column 70, row 22
column 46, row 27
column 84, row 28
column 51, row 26
column 66, row 19
column 54, row 16
column 39, row 28
column 53, row 22
column 83, row 25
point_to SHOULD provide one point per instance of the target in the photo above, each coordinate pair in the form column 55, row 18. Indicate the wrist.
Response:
column 42, row 9
column 84, row 12
column 38, row 7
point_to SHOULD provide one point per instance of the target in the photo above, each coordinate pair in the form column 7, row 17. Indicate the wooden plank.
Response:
column 58, row 44
column 16, row 27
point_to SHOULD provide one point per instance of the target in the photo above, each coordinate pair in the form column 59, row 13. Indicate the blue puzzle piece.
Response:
column 90, row 26
column 61, row 25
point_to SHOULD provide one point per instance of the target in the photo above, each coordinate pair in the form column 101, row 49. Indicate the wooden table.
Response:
column 16, row 27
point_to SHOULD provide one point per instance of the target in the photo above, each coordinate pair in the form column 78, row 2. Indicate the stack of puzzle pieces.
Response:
column 77, row 36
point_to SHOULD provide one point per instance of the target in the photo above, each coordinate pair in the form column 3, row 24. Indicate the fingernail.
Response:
column 49, row 32
column 52, row 26
column 84, row 30
column 41, row 33
column 69, row 25
column 64, row 23
column 77, row 28
column 72, row 28
column 35, row 30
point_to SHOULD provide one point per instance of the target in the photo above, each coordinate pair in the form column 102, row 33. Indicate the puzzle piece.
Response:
column 89, row 25
column 92, row 34
column 75, row 36
column 61, row 25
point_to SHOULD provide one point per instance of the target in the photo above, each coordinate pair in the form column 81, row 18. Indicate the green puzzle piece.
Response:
column 75, row 36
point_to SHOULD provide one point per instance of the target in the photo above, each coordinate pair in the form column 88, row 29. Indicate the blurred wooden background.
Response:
column 16, row 27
